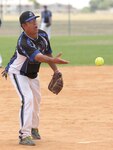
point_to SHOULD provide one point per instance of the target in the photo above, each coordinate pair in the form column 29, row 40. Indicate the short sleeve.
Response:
column 27, row 48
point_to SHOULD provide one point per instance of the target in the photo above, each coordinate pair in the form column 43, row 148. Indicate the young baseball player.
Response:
column 33, row 48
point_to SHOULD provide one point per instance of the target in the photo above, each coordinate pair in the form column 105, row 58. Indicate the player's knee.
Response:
column 29, row 99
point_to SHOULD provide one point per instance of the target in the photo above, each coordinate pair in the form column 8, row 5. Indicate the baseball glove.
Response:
column 48, row 24
column 56, row 83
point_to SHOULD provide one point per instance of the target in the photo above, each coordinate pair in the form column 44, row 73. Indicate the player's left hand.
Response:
column 56, row 83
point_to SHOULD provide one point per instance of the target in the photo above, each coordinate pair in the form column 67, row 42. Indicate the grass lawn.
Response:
column 79, row 50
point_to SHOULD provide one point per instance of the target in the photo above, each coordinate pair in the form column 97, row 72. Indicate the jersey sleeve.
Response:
column 27, row 48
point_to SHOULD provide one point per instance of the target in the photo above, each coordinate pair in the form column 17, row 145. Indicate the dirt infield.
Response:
column 79, row 118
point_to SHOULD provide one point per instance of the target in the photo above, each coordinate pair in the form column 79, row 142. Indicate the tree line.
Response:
column 94, row 5
column 100, row 5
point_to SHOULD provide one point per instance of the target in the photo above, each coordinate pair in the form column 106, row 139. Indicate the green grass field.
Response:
column 79, row 50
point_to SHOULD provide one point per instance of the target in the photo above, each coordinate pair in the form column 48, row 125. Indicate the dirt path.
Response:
column 79, row 118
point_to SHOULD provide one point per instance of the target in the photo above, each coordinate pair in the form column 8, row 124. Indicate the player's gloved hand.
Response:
column 4, row 74
column 56, row 83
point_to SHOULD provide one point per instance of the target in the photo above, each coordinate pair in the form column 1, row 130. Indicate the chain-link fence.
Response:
column 62, row 24
column 12, row 28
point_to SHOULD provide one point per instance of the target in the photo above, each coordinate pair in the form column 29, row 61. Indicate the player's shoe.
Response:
column 27, row 141
column 35, row 134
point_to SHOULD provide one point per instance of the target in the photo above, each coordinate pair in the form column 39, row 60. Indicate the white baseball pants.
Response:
column 46, row 29
column 29, row 93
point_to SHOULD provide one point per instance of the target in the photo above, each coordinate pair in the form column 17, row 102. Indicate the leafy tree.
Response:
column 93, row 5
column 100, row 4
column 36, row 4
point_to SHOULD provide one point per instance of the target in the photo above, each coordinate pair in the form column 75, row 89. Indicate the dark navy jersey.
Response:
column 46, row 15
column 23, row 61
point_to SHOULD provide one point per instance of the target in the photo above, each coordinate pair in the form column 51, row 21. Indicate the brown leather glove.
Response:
column 56, row 83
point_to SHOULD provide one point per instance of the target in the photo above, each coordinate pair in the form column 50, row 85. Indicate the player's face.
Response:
column 31, row 28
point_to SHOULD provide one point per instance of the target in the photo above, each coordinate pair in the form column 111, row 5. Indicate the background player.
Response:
column 46, row 20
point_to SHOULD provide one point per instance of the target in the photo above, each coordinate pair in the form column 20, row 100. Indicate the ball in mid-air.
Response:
column 99, row 61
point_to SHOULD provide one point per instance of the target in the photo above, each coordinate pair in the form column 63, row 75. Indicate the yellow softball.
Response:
column 99, row 61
